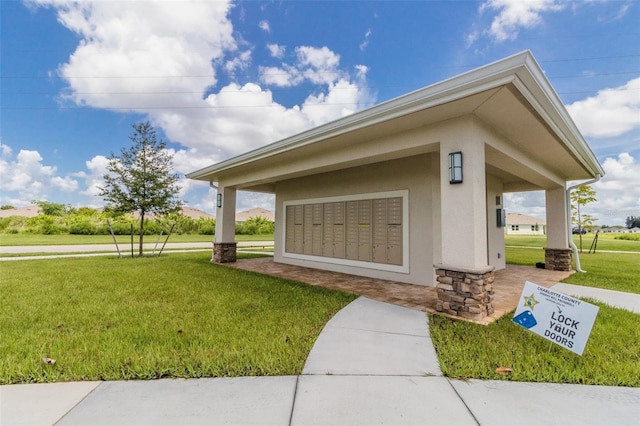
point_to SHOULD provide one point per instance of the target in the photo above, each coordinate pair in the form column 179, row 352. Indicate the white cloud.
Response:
column 285, row 76
column 612, row 112
column 162, row 59
column 240, row 62
column 515, row 14
column 276, row 50
column 313, row 64
column 66, row 184
column 338, row 102
column 264, row 26
column 151, row 53
column 617, row 194
column 319, row 65
column 365, row 42
column 26, row 178
column 93, row 177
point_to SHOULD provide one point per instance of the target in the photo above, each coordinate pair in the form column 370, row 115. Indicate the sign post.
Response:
column 555, row 316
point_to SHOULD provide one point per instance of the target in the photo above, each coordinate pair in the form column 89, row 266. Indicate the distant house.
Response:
column 634, row 230
column 521, row 224
column 256, row 212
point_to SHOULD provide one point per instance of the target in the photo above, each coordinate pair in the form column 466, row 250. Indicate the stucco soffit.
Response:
column 538, row 92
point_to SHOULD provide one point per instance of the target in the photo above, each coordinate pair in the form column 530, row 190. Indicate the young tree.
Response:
column 141, row 179
column 581, row 196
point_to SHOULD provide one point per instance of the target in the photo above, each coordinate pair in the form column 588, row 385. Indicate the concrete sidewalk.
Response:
column 617, row 299
column 373, row 363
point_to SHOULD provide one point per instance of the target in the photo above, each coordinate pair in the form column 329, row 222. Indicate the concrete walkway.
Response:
column 617, row 299
column 373, row 363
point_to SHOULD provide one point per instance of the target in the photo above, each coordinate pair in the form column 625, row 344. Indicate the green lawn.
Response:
column 611, row 358
column 605, row 242
column 143, row 318
column 612, row 355
column 181, row 316
column 67, row 239
column 613, row 271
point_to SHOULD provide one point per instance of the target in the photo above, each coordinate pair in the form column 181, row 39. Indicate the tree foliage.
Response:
column 140, row 179
column 256, row 226
column 632, row 222
column 52, row 209
column 580, row 197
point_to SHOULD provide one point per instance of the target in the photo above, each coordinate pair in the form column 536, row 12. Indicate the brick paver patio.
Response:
column 507, row 286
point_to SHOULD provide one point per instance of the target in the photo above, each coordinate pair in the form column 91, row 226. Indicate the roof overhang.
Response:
column 507, row 96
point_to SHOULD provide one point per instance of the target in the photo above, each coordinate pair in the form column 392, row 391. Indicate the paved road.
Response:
column 85, row 248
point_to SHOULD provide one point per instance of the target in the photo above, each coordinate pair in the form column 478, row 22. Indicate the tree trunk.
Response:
column 141, row 248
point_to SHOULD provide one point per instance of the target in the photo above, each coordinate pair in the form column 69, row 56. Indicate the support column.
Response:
column 464, row 206
column 224, row 244
column 557, row 252
column 465, row 293
column 464, row 276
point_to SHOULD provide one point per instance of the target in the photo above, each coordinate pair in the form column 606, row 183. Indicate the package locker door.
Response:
column 290, row 227
column 307, row 237
column 327, row 231
column 394, row 231
column 338, row 230
column 298, row 237
column 380, row 237
column 316, row 244
column 364, row 230
column 351, row 231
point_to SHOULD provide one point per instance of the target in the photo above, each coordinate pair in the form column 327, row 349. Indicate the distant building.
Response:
column 521, row 224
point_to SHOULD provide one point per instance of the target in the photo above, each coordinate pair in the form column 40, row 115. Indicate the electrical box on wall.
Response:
column 501, row 218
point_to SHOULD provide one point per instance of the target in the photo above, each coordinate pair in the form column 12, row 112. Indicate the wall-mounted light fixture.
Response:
column 219, row 200
column 455, row 167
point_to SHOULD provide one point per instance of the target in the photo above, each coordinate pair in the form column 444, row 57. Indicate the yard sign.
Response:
column 555, row 316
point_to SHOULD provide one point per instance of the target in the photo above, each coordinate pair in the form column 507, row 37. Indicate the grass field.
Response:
column 605, row 242
column 605, row 268
column 144, row 318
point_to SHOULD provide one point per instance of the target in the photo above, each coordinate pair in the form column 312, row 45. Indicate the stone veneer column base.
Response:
column 224, row 252
column 467, row 293
column 557, row 259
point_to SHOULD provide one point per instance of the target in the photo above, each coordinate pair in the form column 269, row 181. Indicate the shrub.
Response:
column 4, row 223
column 256, row 226
column 628, row 237
column 46, row 224
column 83, row 227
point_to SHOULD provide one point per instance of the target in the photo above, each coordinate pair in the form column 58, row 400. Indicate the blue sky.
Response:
column 220, row 78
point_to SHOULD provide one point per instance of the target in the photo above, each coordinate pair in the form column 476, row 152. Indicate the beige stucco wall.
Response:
column 414, row 174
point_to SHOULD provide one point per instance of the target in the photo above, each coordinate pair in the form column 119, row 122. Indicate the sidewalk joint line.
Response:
column 78, row 403
column 381, row 331
column 295, row 396
column 463, row 401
